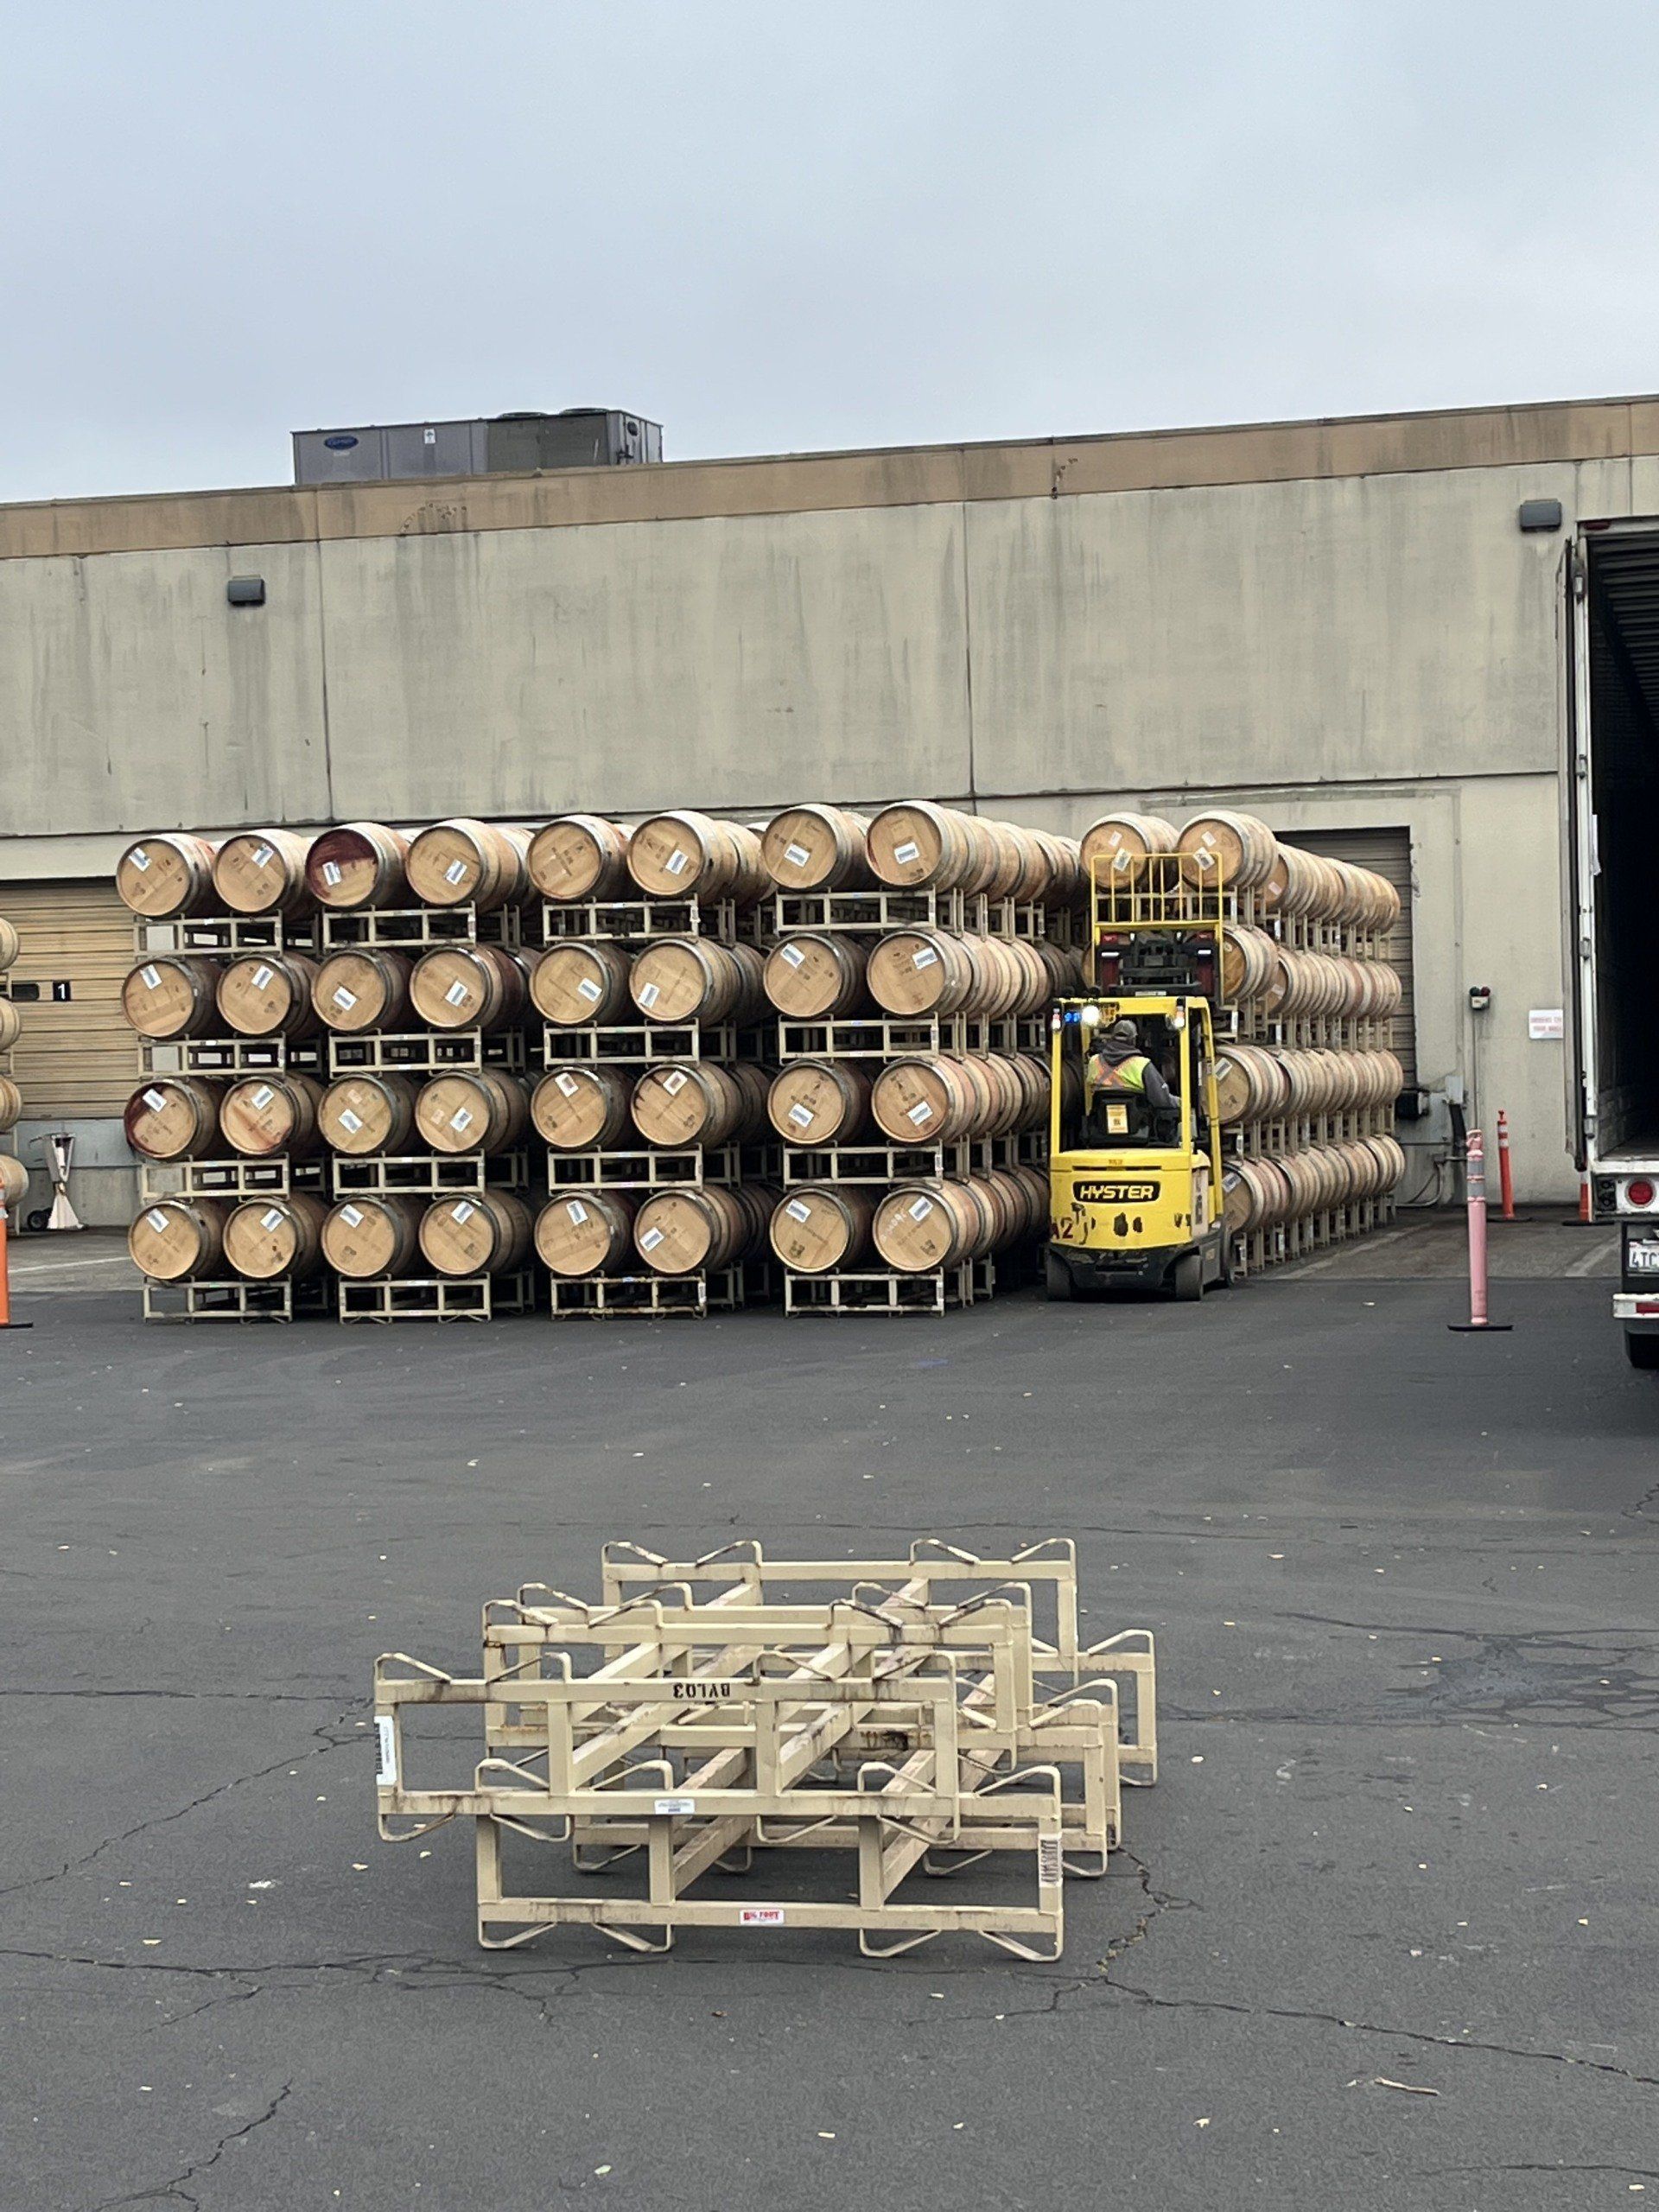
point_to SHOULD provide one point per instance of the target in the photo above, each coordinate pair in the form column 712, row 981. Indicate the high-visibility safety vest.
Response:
column 1120, row 1074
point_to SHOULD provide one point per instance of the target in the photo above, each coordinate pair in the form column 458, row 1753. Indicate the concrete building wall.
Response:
column 1041, row 630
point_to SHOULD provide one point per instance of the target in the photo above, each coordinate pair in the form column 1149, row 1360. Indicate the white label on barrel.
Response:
column 920, row 1112
column 797, row 1211
column 154, row 1100
column 385, row 1774
column 261, row 975
column 455, row 870
column 331, row 872
column 920, row 1210
column 151, row 975
column 792, row 953
column 676, row 1083
column 587, row 989
column 677, row 861
column 797, row 855
column 344, row 998
column 271, row 1217
column 263, row 1097
column 263, row 854
column 455, row 993
column 157, row 1219
column 350, row 1121
column 577, row 1212
column 465, row 1210
column 351, row 1216
column 1207, row 839
column 801, row 1115
column 924, row 958
column 650, row 993
column 650, row 1240
column 140, row 858
column 1121, row 860
column 567, row 1084
column 906, row 852
column 461, row 1118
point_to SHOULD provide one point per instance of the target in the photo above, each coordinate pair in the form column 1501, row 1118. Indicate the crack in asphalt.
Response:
column 176, row 2187
column 331, row 1742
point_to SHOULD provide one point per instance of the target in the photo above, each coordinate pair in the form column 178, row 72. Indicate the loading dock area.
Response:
column 1403, row 1584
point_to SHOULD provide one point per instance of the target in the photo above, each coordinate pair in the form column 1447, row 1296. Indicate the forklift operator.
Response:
column 1118, row 1072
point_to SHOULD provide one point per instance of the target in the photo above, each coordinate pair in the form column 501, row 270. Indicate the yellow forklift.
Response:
column 1136, row 1193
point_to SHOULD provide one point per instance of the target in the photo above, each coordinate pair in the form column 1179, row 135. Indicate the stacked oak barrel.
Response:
column 652, row 1102
column 232, row 1181
column 14, row 1176
column 429, row 955
column 1306, row 1076
column 335, row 1055
column 914, row 957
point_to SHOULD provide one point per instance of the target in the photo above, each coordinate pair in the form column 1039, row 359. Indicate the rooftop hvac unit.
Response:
column 503, row 445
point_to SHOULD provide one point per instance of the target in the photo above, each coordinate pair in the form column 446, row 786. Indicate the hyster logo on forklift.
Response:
column 1113, row 1194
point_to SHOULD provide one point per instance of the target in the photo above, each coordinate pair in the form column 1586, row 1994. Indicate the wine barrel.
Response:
column 687, row 856
column 174, row 1239
column 926, row 971
column 586, row 1233
column 580, row 856
column 703, row 1225
column 1236, row 847
column 820, row 1226
column 1119, row 848
column 916, row 844
column 817, row 849
column 471, row 986
column 11, row 1024
column 164, row 876
column 174, row 994
column 364, row 1114
column 361, row 864
column 458, row 861
column 939, row 1098
column 379, row 1234
column 820, row 1102
column 1252, row 1195
column 473, row 1110
column 583, row 1108
column 272, row 1238
column 269, row 994
column 1247, row 958
column 921, row 1226
column 485, row 1233
column 679, row 979
column 11, row 944
column 13, row 1181
column 172, row 1117
column 263, row 1115
column 11, row 1103
column 367, row 988
column 690, row 1103
column 1251, row 1084
column 817, row 975
column 581, row 980
column 263, row 872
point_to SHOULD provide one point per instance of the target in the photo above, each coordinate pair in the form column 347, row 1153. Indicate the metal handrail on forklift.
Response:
column 1135, row 1204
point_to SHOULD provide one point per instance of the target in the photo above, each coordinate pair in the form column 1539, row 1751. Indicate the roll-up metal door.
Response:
column 76, row 1057
column 1386, row 853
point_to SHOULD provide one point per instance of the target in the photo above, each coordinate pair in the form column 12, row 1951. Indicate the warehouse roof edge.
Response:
column 1338, row 446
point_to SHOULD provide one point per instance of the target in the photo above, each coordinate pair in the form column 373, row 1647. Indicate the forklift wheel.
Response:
column 1057, row 1277
column 1186, row 1278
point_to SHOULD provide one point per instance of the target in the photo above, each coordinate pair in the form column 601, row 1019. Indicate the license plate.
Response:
column 1642, row 1259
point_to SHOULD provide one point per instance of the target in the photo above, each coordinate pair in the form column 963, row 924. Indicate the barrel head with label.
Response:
column 581, row 1109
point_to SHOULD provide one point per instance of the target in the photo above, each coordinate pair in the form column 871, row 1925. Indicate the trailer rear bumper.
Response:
column 1638, row 1311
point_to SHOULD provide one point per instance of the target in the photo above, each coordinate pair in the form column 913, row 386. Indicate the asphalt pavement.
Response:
column 1383, row 1935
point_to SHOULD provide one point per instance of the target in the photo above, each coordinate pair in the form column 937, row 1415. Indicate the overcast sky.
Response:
column 781, row 227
